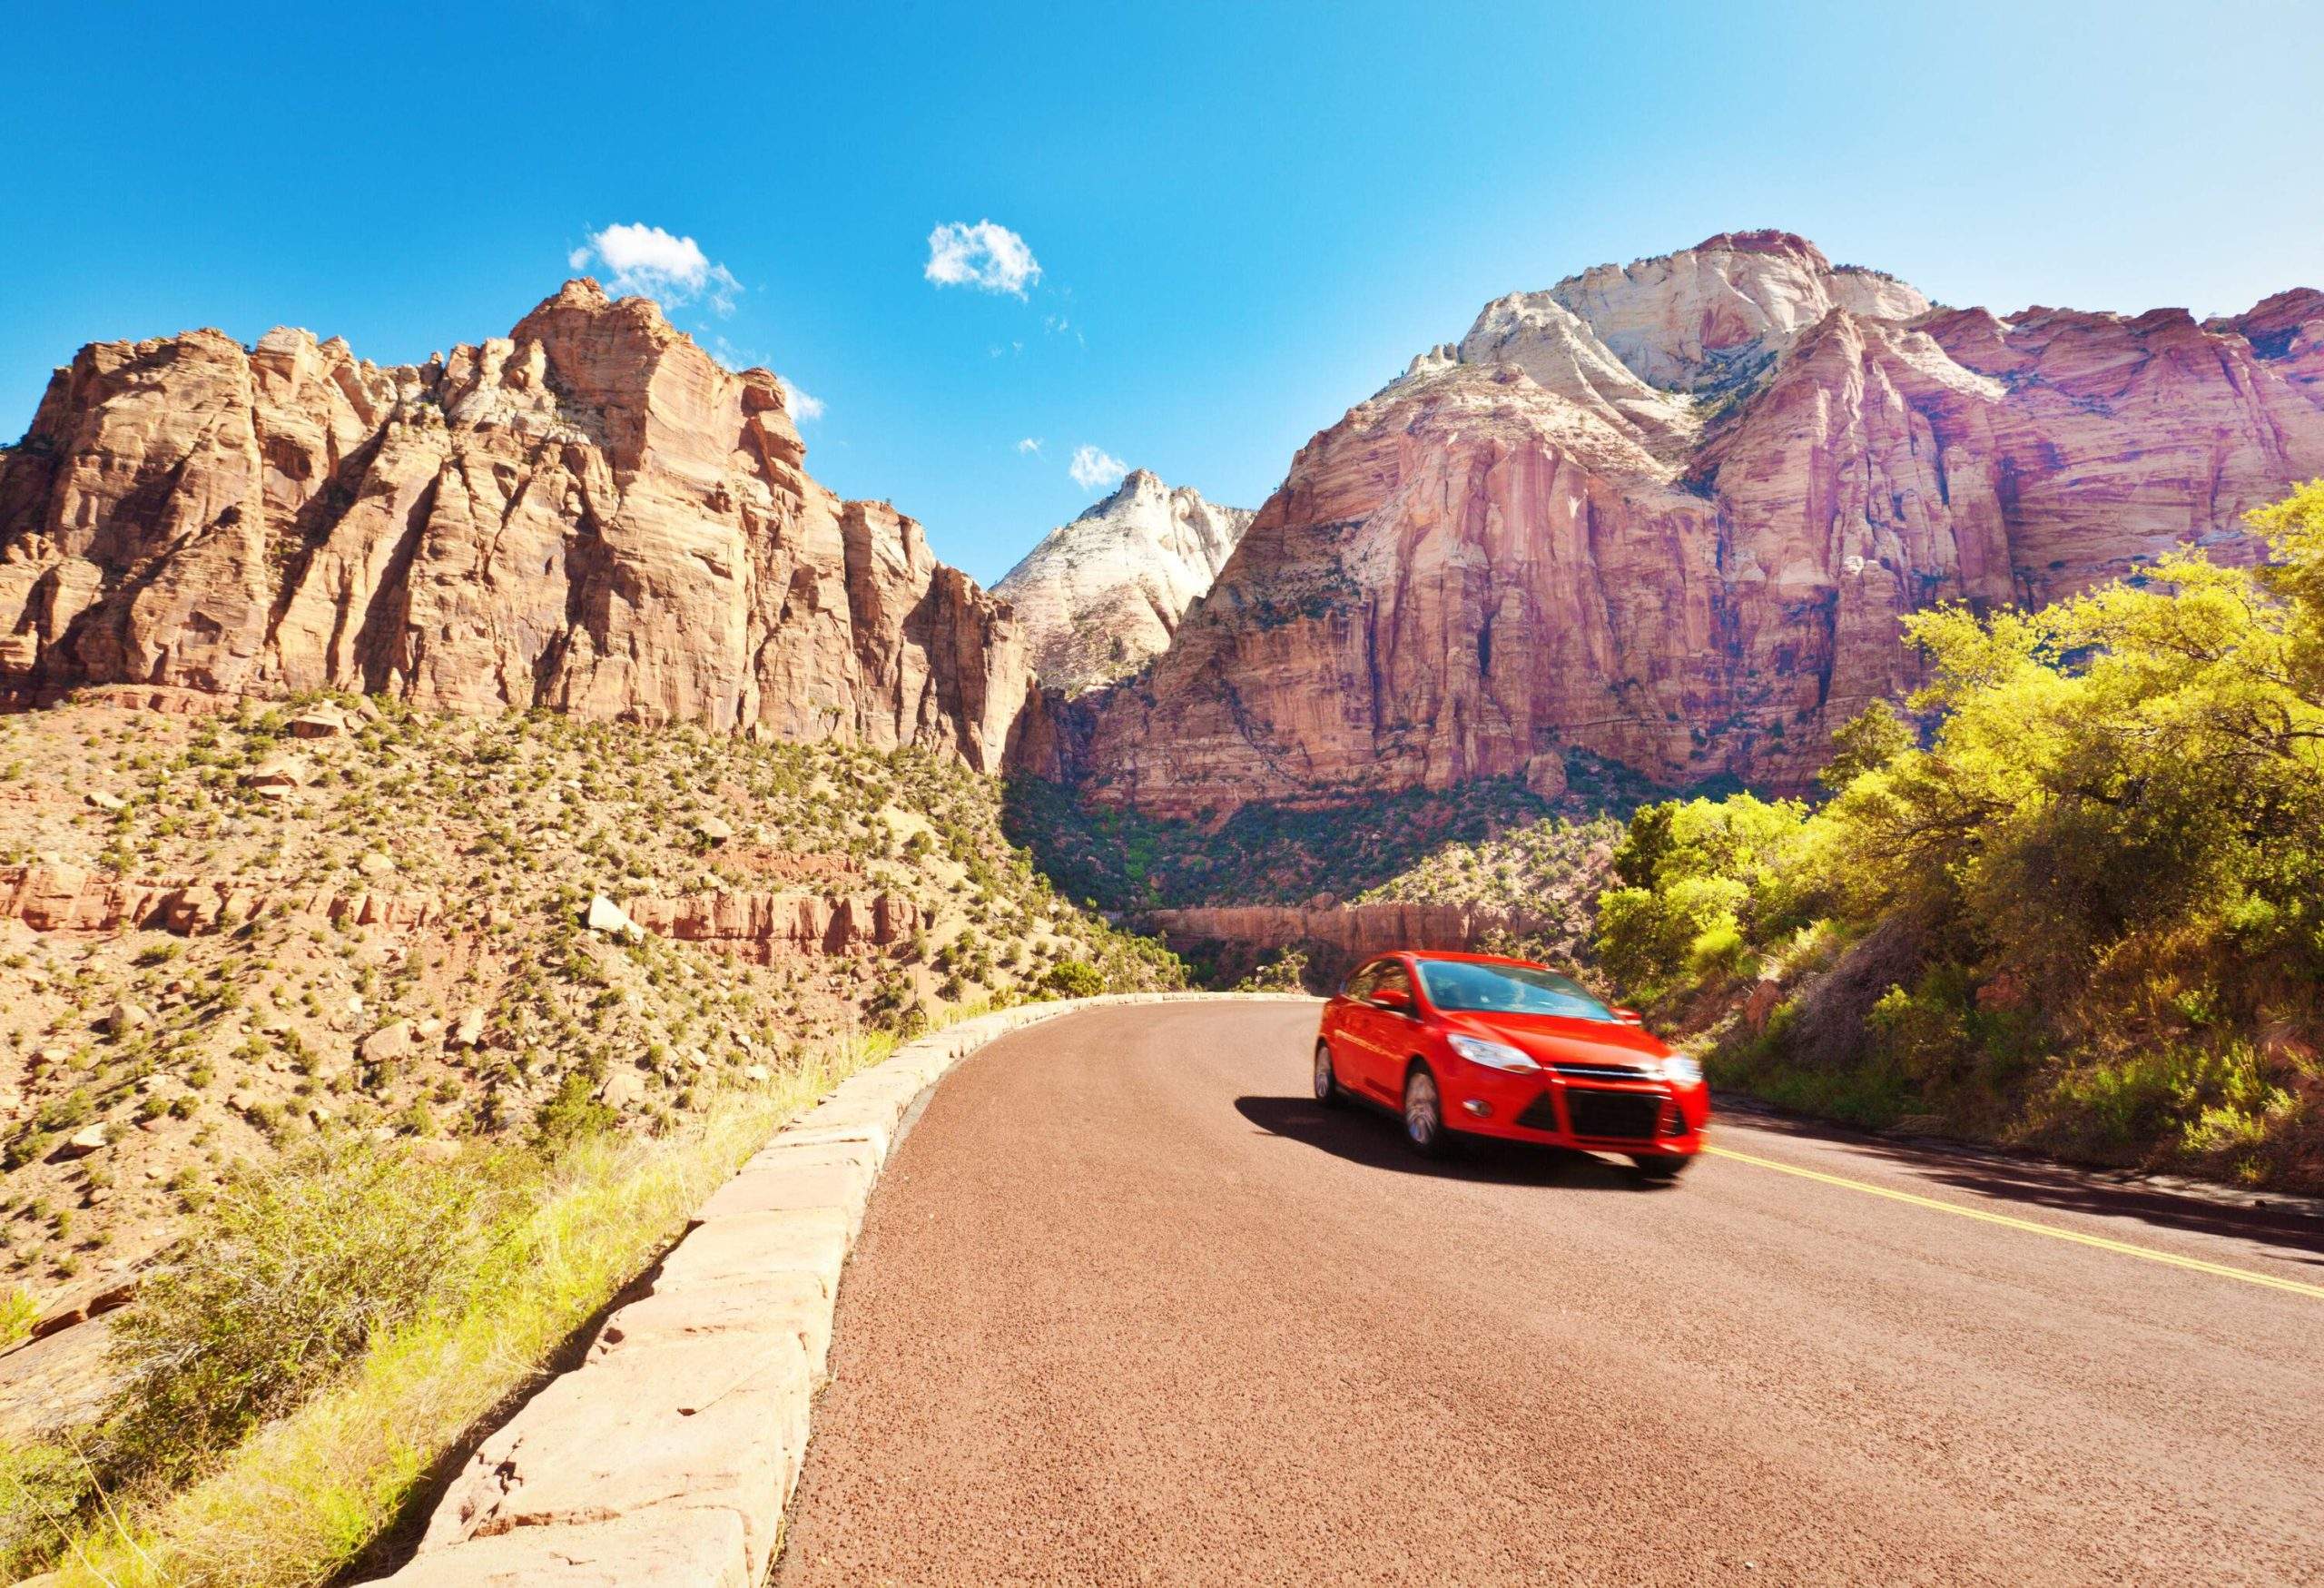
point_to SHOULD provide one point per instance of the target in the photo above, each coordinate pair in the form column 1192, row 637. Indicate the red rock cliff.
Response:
column 590, row 515
column 1685, row 544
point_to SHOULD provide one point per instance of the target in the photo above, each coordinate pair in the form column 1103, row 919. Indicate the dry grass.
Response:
column 306, row 1494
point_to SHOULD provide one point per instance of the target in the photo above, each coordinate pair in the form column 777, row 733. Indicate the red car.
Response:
column 1474, row 1044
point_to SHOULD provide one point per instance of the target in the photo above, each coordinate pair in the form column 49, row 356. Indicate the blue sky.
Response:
column 1245, row 218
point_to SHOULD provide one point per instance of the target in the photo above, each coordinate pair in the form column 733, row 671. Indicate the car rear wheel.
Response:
column 1327, row 1081
column 1425, row 1130
column 1659, row 1169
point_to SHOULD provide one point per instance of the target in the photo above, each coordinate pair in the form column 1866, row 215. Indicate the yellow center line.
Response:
column 2248, row 1276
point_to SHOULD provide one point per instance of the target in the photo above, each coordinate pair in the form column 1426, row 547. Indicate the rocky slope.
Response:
column 1671, row 514
column 590, row 515
column 1100, row 597
column 219, row 941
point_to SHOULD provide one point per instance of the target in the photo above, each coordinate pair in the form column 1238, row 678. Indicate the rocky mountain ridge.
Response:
column 1671, row 513
column 590, row 515
column 1098, row 597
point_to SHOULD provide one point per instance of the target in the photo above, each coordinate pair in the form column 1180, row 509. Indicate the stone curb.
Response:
column 669, row 1456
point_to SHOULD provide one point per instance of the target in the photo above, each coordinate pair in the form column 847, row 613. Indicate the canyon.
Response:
column 1671, row 514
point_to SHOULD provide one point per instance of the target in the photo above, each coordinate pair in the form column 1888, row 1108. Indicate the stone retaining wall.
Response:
column 669, row 1454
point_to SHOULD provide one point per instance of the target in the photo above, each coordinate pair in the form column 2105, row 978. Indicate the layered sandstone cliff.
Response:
column 1101, row 595
column 589, row 515
column 1672, row 514
column 1336, row 938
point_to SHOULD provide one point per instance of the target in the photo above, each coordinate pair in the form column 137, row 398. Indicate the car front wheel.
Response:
column 1424, row 1114
column 1327, row 1081
column 1658, row 1168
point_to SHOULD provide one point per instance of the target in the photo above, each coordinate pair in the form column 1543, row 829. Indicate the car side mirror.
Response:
column 1628, row 1017
column 1395, row 1000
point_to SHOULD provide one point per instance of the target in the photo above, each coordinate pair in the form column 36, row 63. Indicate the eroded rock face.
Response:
column 1338, row 937
column 1100, row 597
column 590, row 515
column 768, row 926
column 1673, row 514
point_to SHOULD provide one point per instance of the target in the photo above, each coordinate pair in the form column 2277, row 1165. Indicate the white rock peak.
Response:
column 1702, row 316
column 1646, row 349
column 1100, row 596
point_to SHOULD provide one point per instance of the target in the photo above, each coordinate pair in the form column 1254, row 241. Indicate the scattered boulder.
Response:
column 279, row 778
column 469, row 1032
column 2005, row 991
column 375, row 864
column 390, row 1041
column 106, row 801
column 322, row 722
column 623, row 1089
column 126, row 1017
column 87, row 1140
column 758, row 1072
column 608, row 917
column 713, row 830
column 367, row 709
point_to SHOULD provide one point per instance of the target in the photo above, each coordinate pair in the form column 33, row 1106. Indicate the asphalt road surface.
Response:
column 1130, row 1308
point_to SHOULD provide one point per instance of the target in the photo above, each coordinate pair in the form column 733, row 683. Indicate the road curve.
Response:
column 1130, row 1307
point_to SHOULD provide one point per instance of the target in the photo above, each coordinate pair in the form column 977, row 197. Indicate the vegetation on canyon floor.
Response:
column 379, row 1159
column 1401, row 846
column 2082, row 909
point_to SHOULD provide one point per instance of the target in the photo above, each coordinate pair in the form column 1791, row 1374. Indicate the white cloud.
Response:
column 1093, row 469
column 803, row 406
column 986, row 256
column 647, row 259
column 1029, row 444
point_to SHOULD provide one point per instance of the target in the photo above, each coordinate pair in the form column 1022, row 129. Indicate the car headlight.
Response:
column 1682, row 1071
column 1491, row 1055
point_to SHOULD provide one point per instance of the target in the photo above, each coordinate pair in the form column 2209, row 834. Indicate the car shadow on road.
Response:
column 1372, row 1138
column 2286, row 1225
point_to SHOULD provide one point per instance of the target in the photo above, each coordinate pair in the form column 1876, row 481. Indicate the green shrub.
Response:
column 2108, row 859
column 18, row 1312
column 42, row 1487
column 573, row 1115
column 1074, row 979
column 1282, row 971
column 285, row 1276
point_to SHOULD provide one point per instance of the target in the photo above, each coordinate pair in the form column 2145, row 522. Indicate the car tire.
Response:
column 1328, row 1090
column 1423, row 1116
column 1658, row 1167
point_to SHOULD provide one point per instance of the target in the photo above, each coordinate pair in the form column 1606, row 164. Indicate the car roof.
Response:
column 1458, row 957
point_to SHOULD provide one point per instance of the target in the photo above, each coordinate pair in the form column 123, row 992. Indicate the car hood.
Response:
column 1561, row 1038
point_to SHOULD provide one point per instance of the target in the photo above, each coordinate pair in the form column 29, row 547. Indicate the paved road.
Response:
column 1131, row 1308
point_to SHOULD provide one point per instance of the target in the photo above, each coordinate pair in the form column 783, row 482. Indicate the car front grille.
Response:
column 1616, row 1116
column 1601, row 1071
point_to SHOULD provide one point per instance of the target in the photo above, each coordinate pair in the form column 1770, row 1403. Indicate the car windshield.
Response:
column 1456, row 984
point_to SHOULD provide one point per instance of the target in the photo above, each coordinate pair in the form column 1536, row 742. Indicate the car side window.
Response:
column 1359, row 986
column 1391, row 977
